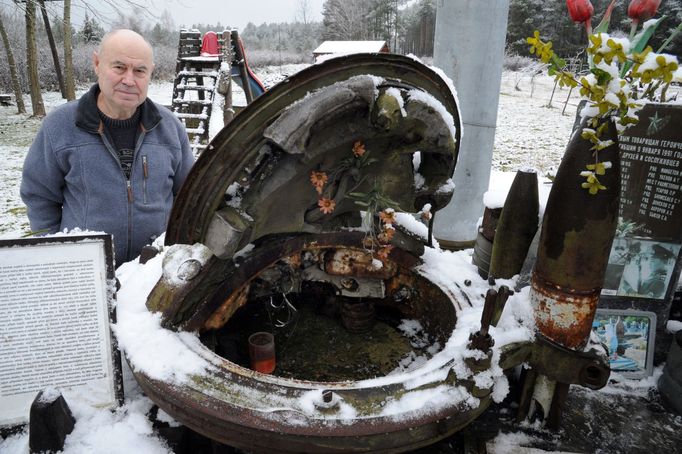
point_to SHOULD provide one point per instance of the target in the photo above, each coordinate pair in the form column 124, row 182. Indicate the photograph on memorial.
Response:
column 629, row 337
column 640, row 268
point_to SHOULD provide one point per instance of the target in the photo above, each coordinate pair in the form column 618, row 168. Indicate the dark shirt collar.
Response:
column 87, row 115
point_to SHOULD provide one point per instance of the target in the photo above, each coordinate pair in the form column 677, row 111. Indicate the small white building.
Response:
column 349, row 47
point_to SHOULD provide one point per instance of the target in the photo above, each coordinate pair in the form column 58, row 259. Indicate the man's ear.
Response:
column 95, row 62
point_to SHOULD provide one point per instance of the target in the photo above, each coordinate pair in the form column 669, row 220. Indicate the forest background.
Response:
column 406, row 25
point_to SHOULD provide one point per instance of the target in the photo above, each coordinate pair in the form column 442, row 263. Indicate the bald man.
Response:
column 111, row 161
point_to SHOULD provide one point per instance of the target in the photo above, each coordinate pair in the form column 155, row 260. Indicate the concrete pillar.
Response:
column 469, row 48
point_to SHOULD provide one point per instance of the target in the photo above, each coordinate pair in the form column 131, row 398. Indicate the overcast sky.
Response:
column 232, row 13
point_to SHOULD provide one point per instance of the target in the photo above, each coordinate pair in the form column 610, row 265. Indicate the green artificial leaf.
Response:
column 672, row 36
column 602, row 76
column 639, row 43
column 556, row 64
column 603, row 26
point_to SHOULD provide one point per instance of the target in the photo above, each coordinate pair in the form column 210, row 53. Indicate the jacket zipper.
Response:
column 145, row 172
column 129, row 187
column 129, row 192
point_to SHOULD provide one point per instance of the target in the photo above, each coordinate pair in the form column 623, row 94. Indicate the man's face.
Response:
column 123, row 67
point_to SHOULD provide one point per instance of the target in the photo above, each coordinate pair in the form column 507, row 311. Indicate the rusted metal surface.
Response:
column 483, row 249
column 516, row 227
column 262, row 433
column 491, row 217
column 407, row 292
column 358, row 316
column 227, row 309
column 357, row 262
column 503, row 295
column 589, row 369
column 575, row 242
column 219, row 405
column 563, row 314
column 236, row 151
column 528, row 377
column 481, row 340
column 252, row 186
column 188, row 305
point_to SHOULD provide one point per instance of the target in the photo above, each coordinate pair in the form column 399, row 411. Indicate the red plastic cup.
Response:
column 262, row 352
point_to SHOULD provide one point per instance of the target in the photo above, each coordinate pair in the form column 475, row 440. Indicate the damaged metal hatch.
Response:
column 288, row 206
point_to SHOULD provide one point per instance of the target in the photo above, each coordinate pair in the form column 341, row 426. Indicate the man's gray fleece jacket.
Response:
column 72, row 176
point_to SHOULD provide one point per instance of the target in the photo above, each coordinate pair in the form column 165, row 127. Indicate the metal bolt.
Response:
column 189, row 269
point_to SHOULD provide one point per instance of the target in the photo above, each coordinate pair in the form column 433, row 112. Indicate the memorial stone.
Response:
column 644, row 265
column 646, row 257
column 50, row 422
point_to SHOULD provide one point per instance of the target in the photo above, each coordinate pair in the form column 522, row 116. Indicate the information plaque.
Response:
column 56, row 306
column 644, row 264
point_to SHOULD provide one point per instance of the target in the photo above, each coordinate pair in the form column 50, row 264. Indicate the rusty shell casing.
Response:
column 491, row 216
column 516, row 227
column 562, row 315
column 575, row 241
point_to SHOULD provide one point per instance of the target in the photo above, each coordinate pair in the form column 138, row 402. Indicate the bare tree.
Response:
column 32, row 60
column 69, row 82
column 303, row 12
column 53, row 48
column 12, row 69
column 346, row 19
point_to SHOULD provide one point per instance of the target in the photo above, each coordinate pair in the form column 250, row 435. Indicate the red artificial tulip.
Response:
column 641, row 10
column 580, row 10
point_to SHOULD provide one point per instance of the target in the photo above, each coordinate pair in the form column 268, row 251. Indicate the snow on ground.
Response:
column 529, row 134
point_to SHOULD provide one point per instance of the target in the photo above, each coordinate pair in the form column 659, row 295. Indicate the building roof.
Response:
column 349, row 47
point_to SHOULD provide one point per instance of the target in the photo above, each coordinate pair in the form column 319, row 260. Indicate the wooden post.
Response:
column 225, row 87
column 53, row 48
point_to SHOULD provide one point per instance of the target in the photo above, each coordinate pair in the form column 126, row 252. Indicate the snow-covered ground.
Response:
column 529, row 134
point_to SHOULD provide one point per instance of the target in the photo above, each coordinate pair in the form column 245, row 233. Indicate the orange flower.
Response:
column 387, row 216
column 386, row 235
column 326, row 205
column 358, row 149
column 318, row 179
column 382, row 253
